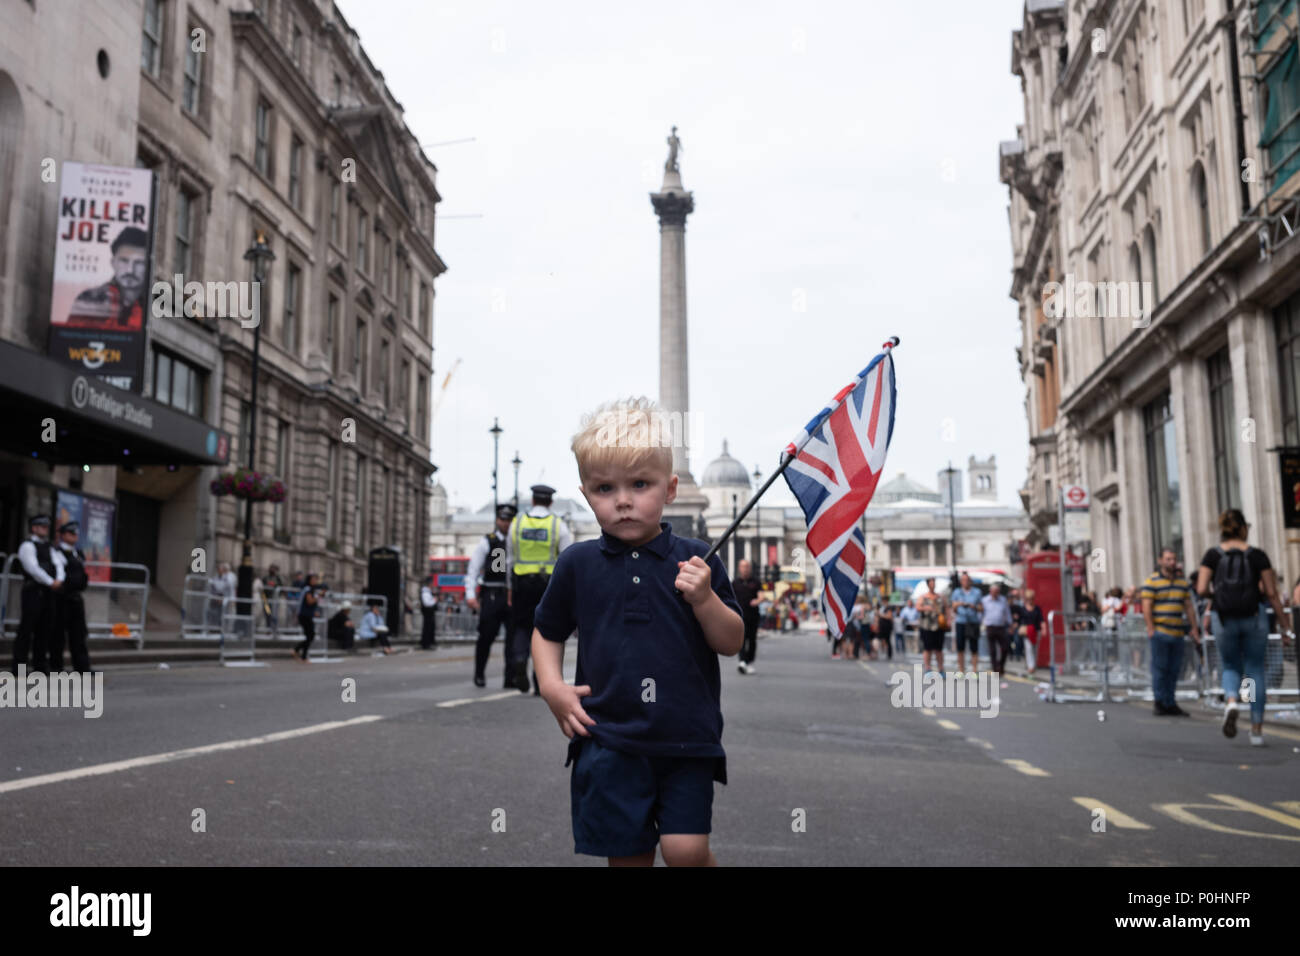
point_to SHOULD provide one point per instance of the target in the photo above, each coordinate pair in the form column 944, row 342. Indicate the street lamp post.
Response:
column 516, row 461
column 259, row 254
column 952, row 520
column 496, row 431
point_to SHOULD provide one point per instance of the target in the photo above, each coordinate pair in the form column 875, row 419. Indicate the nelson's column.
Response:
column 672, row 204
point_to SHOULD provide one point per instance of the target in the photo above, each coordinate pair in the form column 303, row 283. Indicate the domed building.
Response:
column 725, row 480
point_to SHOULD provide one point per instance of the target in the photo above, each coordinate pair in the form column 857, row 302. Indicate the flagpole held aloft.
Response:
column 786, row 458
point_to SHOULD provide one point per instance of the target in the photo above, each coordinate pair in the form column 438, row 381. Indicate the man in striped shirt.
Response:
column 1169, row 613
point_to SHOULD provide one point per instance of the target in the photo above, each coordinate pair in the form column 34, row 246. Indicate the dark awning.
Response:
column 95, row 423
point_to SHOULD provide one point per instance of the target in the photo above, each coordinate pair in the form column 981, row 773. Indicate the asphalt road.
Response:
column 425, row 769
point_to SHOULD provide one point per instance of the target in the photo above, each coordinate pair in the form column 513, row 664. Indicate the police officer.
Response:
column 68, row 603
column 429, row 616
column 488, row 565
column 536, row 539
column 42, row 577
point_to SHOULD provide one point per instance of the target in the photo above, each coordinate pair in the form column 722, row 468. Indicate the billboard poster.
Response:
column 100, row 300
column 70, row 507
column 97, row 534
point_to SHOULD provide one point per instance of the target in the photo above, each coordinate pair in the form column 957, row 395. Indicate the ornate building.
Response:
column 1153, row 195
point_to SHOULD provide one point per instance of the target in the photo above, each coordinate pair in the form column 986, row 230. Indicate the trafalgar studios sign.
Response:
column 101, row 272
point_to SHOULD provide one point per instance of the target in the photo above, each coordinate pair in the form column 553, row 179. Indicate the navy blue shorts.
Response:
column 622, row 802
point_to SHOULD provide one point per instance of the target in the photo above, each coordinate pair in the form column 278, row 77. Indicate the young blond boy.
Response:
column 644, row 716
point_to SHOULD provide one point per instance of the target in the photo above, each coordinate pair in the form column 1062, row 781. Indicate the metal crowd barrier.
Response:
column 112, row 606
column 1280, row 692
column 1088, row 662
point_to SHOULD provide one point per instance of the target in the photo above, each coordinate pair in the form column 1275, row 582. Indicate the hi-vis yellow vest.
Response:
column 536, row 544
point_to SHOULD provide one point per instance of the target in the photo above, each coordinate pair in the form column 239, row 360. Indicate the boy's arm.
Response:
column 565, row 701
column 724, row 631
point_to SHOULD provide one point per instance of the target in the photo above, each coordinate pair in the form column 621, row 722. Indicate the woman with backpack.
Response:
column 1243, row 579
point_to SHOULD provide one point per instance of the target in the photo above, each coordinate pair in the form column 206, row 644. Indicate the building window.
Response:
column 338, row 90
column 245, row 429
column 1149, row 253
column 192, row 82
column 363, row 226
column 1132, row 84
column 295, row 173
column 1201, row 196
column 385, row 372
column 292, row 292
column 332, row 498
column 179, row 384
column 336, row 192
column 404, row 391
column 1223, row 430
column 424, row 309
column 385, row 271
column 1112, row 459
column 359, row 512
column 1162, row 476
column 917, row 552
column 422, row 408
column 406, row 290
column 359, row 356
column 151, row 46
column 182, row 259
column 295, row 45
column 895, row 554
column 332, row 333
column 280, row 518
column 262, row 151
column 1287, row 319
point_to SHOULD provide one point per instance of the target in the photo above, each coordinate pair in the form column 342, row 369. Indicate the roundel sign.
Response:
column 1076, row 496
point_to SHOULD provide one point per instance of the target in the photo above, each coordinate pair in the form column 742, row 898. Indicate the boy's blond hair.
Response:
column 630, row 433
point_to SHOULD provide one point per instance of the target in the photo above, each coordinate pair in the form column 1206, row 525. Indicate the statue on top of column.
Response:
column 674, row 144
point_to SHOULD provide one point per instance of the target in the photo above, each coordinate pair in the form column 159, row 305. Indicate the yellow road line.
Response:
column 928, row 711
column 1113, row 816
column 1028, row 769
column 979, row 742
column 948, row 725
column 1267, row 812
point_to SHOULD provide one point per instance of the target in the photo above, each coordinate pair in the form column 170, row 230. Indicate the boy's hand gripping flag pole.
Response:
column 838, row 458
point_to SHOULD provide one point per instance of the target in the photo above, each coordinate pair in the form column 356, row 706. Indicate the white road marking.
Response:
column 928, row 711
column 103, row 768
column 979, row 742
column 948, row 725
column 1025, row 767
column 1113, row 816
column 474, row 700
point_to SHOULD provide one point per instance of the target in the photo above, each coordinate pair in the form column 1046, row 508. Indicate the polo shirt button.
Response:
column 635, row 555
column 636, row 580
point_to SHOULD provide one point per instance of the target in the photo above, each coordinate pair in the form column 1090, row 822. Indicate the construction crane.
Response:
column 442, row 391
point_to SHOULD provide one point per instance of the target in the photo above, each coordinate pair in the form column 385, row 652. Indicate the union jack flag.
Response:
column 837, row 460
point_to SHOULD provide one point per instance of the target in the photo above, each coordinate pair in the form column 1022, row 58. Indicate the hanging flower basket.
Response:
column 249, row 485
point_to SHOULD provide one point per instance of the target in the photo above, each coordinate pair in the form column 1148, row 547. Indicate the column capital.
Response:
column 672, row 207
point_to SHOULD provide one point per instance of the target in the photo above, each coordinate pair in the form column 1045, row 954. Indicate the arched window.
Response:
column 1201, row 196
column 1149, row 254
column 1135, row 271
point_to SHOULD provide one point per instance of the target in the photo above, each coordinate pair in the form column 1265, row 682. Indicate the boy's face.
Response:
column 629, row 502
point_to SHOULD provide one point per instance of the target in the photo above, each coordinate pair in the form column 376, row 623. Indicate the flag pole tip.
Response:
column 891, row 342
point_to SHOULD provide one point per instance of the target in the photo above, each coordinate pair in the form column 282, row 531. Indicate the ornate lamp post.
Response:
column 516, row 461
column 259, row 254
column 496, row 431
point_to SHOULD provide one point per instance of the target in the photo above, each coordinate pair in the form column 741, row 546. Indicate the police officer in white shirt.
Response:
column 429, row 616
column 485, row 592
column 43, row 572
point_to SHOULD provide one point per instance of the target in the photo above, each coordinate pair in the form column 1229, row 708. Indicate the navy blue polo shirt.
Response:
column 635, row 628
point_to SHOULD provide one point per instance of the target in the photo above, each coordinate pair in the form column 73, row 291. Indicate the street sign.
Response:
column 1078, row 526
column 1076, row 496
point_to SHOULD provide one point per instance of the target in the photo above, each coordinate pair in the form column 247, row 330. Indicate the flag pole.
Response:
column 785, row 463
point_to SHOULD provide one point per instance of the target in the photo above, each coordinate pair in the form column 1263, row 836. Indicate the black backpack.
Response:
column 1235, row 591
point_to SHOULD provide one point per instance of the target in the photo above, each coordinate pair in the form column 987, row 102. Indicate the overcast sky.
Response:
column 842, row 156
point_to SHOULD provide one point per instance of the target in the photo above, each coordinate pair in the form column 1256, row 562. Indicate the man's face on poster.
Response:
column 129, row 266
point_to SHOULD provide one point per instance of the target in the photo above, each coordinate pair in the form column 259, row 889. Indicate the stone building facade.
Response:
column 1158, row 290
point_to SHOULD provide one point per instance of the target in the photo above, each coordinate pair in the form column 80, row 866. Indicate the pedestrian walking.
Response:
column 1169, row 613
column 486, row 591
column 966, row 607
column 884, row 630
column 996, row 618
column 374, row 629
column 747, row 588
column 429, row 616
column 1243, row 580
column 271, row 594
column 312, row 593
column 908, row 619
column 1030, row 624
column 43, row 576
column 69, row 604
column 536, row 539
column 221, row 586
column 933, row 623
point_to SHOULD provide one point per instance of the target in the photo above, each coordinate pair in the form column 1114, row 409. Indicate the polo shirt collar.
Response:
column 659, row 546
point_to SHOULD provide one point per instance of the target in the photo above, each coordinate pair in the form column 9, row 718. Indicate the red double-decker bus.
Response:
column 449, row 574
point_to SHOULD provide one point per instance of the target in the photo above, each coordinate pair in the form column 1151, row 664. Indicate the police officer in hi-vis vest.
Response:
column 42, row 578
column 69, row 606
column 488, row 565
column 536, row 539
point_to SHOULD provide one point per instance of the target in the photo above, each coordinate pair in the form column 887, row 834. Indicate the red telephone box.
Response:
column 1043, row 577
